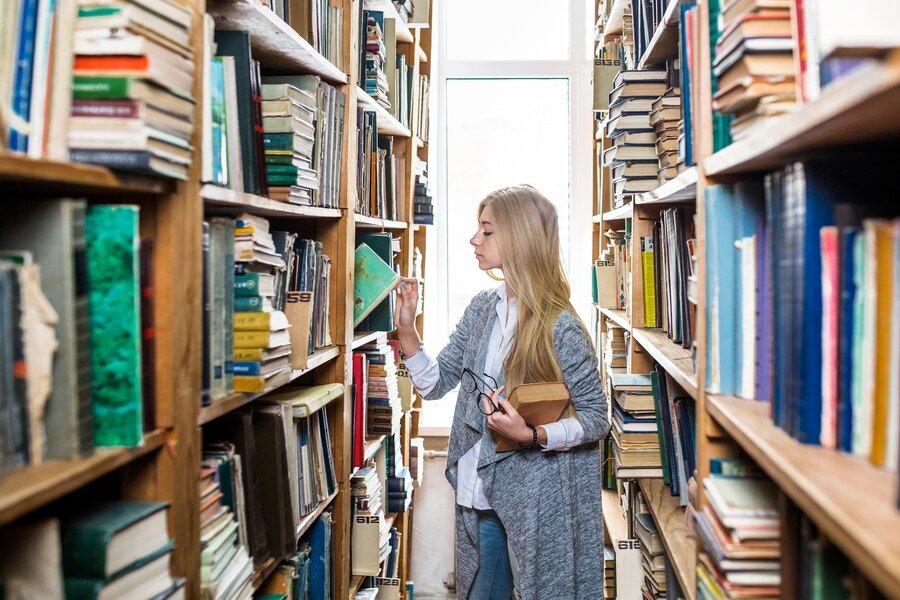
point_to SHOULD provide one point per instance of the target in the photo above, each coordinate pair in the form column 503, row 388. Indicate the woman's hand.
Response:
column 507, row 420
column 405, row 302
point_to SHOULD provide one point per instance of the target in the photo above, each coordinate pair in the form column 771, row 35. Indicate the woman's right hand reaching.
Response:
column 405, row 303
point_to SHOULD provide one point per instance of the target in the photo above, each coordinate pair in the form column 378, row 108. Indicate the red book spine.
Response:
column 111, row 63
column 359, row 409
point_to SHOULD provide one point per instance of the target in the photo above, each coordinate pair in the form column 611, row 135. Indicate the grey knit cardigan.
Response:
column 549, row 502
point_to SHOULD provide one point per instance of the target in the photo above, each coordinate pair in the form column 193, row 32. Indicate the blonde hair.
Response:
column 527, row 228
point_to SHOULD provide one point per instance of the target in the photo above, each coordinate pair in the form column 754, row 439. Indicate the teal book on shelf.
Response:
column 373, row 281
column 113, row 269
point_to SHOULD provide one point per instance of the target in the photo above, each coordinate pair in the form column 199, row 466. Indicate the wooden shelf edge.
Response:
column 367, row 222
column 355, row 584
column 307, row 520
column 372, row 446
column 30, row 488
column 361, row 339
column 387, row 124
column 215, row 195
column 619, row 316
column 239, row 399
column 851, row 110
column 682, row 188
column 262, row 572
column 82, row 177
column 852, row 501
column 670, row 356
column 619, row 214
column 677, row 537
column 613, row 517
column 615, row 22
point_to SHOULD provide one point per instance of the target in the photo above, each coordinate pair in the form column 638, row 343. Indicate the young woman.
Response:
column 532, row 515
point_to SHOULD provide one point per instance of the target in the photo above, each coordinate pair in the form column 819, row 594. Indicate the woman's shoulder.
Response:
column 569, row 329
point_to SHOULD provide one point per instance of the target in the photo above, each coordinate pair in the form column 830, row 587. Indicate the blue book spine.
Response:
column 246, row 367
column 845, row 348
column 21, row 100
column 686, row 88
column 320, row 559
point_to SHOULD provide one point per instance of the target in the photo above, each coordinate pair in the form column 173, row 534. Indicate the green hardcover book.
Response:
column 105, row 540
column 281, row 170
column 229, row 306
column 660, row 432
column 281, row 179
column 113, row 266
column 373, row 281
column 279, row 159
column 382, row 316
column 248, row 303
column 148, row 577
column 250, row 284
column 278, row 141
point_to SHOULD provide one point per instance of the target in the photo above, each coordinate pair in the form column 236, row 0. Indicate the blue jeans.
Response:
column 494, row 580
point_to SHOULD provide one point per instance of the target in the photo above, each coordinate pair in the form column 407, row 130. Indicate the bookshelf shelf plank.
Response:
column 75, row 177
column 664, row 43
column 32, row 487
column 355, row 584
column 859, row 108
column 307, row 520
column 418, row 141
column 618, row 316
column 420, row 52
column 677, row 361
column 852, row 501
column 239, row 399
column 226, row 200
column 616, row 526
column 262, row 572
column 372, row 446
column 387, row 124
column 361, row 339
column 619, row 214
column 676, row 536
column 681, row 189
column 616, row 18
column 274, row 43
column 390, row 12
column 365, row 222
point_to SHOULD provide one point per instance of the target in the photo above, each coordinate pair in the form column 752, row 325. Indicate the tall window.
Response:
column 513, row 106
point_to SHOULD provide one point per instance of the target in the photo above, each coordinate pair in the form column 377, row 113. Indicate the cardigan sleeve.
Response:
column 451, row 359
column 578, row 362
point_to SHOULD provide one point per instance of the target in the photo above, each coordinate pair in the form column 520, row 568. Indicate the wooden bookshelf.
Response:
column 390, row 12
column 860, row 107
column 853, row 502
column 613, row 517
column 274, row 43
column 230, row 202
column 307, row 520
column 677, row 361
column 625, row 211
column 618, row 316
column 676, row 536
column 355, row 585
column 30, row 488
column 681, row 189
column 262, row 572
column 664, row 43
column 387, row 124
column 365, row 222
column 372, row 447
column 52, row 176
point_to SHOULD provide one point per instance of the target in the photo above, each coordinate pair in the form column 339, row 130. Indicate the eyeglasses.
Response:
column 472, row 382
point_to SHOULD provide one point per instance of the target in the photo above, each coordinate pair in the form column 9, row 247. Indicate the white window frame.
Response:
column 578, row 69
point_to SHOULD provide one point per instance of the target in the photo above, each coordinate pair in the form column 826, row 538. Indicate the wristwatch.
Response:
column 404, row 356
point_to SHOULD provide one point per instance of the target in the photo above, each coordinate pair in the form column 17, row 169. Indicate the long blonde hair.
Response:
column 527, row 228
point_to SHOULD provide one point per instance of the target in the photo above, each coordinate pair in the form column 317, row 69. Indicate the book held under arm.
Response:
column 539, row 404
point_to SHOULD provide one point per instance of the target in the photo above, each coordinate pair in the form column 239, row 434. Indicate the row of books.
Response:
column 319, row 23
column 811, row 268
column 423, row 201
column 111, row 549
column 659, row 581
column 273, row 464
column 665, row 267
column 381, row 176
column 75, row 304
column 266, row 305
column 610, row 273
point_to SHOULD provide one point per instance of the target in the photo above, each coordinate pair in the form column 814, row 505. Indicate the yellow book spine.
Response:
column 251, row 339
column 249, row 383
column 649, row 284
column 884, row 277
column 252, row 321
column 248, row 354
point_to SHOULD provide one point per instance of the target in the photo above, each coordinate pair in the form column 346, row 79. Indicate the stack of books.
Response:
column 289, row 134
column 416, row 459
column 366, row 490
column 754, row 64
column 609, row 572
column 615, row 351
column 376, row 81
column 665, row 118
column 383, row 410
column 133, row 79
column 423, row 202
column 633, row 156
column 265, row 333
column 653, row 557
column 740, row 532
column 223, row 528
column 400, row 491
column 634, row 430
column 369, row 533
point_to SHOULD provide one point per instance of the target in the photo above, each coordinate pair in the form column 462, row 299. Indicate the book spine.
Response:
column 124, row 109
column 148, row 337
column 247, row 354
column 252, row 321
column 24, row 68
column 206, row 376
column 229, row 306
column 246, row 368
column 246, row 285
column 251, row 339
column 111, row 88
column 114, row 159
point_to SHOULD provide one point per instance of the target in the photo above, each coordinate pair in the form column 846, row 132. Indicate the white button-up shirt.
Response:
column 425, row 372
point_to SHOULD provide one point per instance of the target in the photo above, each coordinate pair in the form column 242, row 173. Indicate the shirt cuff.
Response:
column 417, row 363
column 557, row 436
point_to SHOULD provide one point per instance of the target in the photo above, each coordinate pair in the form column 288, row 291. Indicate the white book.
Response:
column 747, row 247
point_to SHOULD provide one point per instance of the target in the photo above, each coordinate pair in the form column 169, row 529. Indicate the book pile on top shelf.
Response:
column 634, row 428
column 75, row 301
column 133, row 78
column 654, row 561
column 815, row 272
column 740, row 533
column 633, row 156
column 226, row 568
column 665, row 257
column 754, row 64
column 423, row 202
column 281, row 464
column 375, row 54
column 307, row 571
column 380, row 176
column 666, row 119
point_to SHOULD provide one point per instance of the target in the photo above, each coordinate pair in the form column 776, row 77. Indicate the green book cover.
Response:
column 248, row 303
column 279, row 159
column 373, row 281
column 281, row 179
column 246, row 285
column 663, row 450
column 84, row 538
column 278, row 141
column 113, row 268
column 87, row 88
column 281, row 170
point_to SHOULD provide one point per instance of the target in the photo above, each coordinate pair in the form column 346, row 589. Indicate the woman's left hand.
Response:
column 507, row 420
